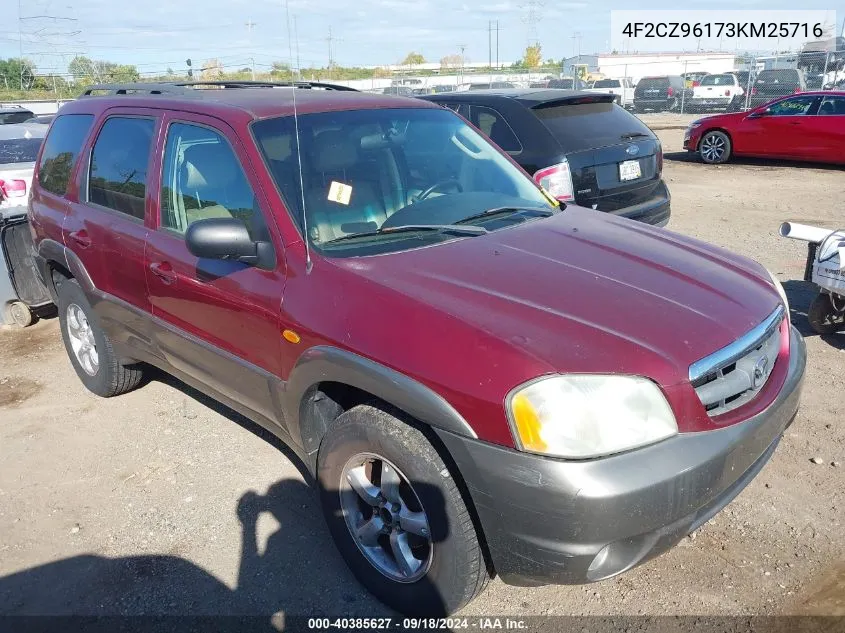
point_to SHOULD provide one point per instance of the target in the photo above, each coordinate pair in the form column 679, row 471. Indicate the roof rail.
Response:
column 185, row 88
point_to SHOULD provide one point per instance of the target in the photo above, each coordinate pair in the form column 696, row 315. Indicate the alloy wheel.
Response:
column 82, row 341
column 385, row 517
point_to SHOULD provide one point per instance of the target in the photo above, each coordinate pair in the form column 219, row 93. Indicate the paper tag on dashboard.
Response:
column 340, row 193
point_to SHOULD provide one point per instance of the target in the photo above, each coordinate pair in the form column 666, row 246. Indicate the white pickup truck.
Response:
column 622, row 88
column 718, row 92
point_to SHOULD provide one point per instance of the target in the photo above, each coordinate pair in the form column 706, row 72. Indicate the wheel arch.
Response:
column 56, row 259
column 327, row 380
column 715, row 129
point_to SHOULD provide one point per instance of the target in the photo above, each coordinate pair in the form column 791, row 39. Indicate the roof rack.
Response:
column 188, row 87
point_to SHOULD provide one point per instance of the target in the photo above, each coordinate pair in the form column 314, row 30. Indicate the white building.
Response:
column 639, row 65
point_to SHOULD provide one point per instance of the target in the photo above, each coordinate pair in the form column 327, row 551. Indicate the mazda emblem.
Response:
column 632, row 150
column 759, row 372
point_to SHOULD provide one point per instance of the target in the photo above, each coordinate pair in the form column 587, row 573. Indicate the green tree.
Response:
column 413, row 59
column 86, row 71
column 17, row 73
column 533, row 56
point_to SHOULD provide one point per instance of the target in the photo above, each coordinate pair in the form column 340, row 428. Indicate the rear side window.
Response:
column 61, row 149
column 580, row 126
column 118, row 172
column 494, row 126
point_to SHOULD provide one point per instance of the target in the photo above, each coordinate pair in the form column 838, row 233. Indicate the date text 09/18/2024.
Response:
column 415, row 624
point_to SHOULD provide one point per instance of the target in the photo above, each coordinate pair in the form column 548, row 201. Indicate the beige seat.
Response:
column 209, row 171
column 335, row 157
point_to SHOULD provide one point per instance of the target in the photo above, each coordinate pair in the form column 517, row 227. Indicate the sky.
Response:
column 159, row 34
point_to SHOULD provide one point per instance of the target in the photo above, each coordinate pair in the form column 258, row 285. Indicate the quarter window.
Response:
column 203, row 179
column 118, row 172
column 61, row 149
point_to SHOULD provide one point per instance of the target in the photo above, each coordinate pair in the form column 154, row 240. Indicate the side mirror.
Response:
column 756, row 114
column 228, row 238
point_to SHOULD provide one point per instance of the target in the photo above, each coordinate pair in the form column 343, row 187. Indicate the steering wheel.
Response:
column 443, row 183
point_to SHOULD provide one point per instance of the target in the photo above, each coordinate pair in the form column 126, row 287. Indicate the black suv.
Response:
column 580, row 146
column 661, row 93
column 771, row 84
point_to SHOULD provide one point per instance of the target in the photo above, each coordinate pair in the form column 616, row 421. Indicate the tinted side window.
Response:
column 832, row 105
column 495, row 127
column 118, row 172
column 203, row 179
column 61, row 149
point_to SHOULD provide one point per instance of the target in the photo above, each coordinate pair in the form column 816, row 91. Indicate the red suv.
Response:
column 482, row 381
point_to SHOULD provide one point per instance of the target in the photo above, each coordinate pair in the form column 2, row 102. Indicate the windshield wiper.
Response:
column 634, row 135
column 439, row 228
column 503, row 210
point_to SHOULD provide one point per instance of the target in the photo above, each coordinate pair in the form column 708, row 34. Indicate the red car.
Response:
column 809, row 126
column 480, row 380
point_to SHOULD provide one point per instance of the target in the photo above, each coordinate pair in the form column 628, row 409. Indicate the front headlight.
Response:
column 588, row 415
column 779, row 287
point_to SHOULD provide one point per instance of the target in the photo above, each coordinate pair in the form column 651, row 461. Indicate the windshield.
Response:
column 718, row 80
column 606, row 83
column 368, row 170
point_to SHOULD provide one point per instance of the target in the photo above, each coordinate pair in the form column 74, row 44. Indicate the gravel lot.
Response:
column 128, row 505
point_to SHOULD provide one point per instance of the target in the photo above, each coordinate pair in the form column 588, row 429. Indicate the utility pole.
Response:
column 490, row 51
column 249, row 25
column 296, row 38
column 331, row 59
column 462, row 47
column 497, row 45
column 20, row 43
column 290, row 43
column 531, row 18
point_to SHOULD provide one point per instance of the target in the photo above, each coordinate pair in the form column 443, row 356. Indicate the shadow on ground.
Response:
column 298, row 573
column 763, row 163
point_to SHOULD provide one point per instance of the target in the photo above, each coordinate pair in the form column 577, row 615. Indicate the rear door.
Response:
column 613, row 156
column 826, row 130
column 217, row 321
column 108, row 223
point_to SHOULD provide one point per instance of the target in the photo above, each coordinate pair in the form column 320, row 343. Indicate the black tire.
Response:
column 715, row 147
column 457, row 571
column 823, row 318
column 110, row 378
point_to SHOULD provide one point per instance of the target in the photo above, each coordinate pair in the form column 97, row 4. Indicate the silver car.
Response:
column 19, row 145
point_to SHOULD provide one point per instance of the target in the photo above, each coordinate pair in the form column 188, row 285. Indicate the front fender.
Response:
column 330, row 364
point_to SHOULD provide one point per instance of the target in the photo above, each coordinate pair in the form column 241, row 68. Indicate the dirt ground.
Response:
column 128, row 505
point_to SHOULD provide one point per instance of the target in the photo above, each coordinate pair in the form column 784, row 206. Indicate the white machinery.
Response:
column 825, row 268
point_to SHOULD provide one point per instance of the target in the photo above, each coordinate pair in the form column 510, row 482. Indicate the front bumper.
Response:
column 550, row 521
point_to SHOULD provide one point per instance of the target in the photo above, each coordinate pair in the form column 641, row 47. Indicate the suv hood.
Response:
column 587, row 292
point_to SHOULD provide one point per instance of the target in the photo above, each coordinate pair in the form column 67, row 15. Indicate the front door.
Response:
column 780, row 130
column 826, row 130
column 216, row 321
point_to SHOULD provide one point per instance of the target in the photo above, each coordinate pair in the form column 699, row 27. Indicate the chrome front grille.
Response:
column 735, row 374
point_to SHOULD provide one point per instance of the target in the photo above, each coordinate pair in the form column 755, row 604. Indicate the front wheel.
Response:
column 824, row 318
column 714, row 147
column 397, row 516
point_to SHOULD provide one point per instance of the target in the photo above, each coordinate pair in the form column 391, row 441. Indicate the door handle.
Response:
column 81, row 238
column 795, row 122
column 163, row 271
